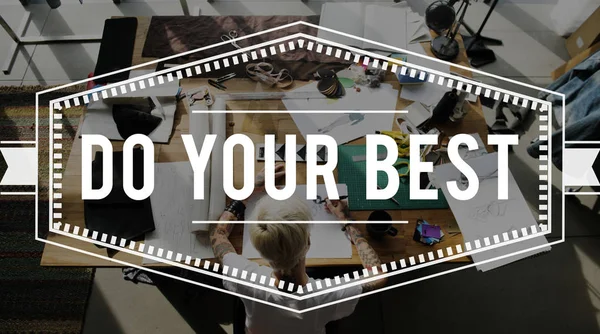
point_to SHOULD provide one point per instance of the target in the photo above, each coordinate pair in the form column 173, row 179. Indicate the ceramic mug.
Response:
column 380, row 230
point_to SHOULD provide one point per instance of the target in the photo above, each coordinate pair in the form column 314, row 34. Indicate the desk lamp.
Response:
column 440, row 17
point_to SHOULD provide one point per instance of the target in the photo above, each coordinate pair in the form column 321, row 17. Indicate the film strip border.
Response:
column 306, row 291
column 246, row 55
column 545, row 167
column 56, row 163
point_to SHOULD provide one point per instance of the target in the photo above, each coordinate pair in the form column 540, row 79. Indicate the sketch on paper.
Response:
column 352, row 118
column 463, row 182
column 348, row 125
column 485, row 216
column 173, row 210
column 492, row 209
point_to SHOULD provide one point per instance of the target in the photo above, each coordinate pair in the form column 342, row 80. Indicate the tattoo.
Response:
column 227, row 216
column 222, row 248
column 368, row 256
column 219, row 234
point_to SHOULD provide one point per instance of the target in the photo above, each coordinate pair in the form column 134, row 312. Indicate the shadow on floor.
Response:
column 545, row 294
column 101, row 310
column 203, row 309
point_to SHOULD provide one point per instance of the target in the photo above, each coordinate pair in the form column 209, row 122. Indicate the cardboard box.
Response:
column 566, row 67
column 586, row 35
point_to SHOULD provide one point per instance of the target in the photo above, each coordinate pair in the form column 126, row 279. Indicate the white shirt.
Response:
column 264, row 319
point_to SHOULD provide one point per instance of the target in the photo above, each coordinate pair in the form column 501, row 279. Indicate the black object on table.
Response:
column 117, row 214
column 475, row 44
column 116, row 49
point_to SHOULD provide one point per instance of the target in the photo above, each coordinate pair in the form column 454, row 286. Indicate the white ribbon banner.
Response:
column 22, row 166
column 577, row 166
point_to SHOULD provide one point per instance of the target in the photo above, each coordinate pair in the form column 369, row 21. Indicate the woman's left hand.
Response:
column 259, row 181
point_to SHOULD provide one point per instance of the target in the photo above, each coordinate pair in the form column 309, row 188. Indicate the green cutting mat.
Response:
column 353, row 174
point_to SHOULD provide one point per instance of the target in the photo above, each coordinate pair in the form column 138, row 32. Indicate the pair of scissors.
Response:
column 400, row 165
column 230, row 37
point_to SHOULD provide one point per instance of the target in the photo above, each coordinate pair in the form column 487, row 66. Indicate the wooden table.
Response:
column 254, row 125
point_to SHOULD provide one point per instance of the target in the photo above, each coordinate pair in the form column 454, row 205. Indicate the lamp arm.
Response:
column 460, row 19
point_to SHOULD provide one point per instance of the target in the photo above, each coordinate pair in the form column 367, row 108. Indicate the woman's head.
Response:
column 283, row 245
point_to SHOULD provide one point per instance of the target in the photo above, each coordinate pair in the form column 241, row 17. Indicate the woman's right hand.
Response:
column 338, row 208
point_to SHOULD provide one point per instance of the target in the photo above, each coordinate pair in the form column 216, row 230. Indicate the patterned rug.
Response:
column 35, row 299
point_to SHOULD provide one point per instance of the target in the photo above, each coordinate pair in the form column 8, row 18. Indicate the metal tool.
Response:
column 392, row 198
column 218, row 82
column 230, row 37
column 197, row 94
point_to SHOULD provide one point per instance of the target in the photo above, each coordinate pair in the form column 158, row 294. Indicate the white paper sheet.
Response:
column 427, row 93
column 417, row 114
column 345, row 17
column 486, row 216
column 172, row 206
column 348, row 126
column 418, row 32
column 385, row 24
column 326, row 240
column 427, row 63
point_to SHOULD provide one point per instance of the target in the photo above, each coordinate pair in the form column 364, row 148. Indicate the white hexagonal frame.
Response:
column 283, row 44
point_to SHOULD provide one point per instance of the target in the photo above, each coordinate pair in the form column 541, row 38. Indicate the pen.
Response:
column 391, row 199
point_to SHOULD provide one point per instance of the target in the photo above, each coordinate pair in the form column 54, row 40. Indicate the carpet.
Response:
column 35, row 299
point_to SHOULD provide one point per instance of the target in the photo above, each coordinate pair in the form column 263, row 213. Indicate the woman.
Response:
column 285, row 246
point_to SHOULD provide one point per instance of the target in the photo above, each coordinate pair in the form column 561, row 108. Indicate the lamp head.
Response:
column 440, row 15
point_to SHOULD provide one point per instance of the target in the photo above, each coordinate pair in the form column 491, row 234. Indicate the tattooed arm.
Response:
column 219, row 236
column 219, row 233
column 367, row 254
column 368, row 257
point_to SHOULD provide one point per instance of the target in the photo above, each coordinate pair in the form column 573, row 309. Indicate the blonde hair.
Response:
column 283, row 245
